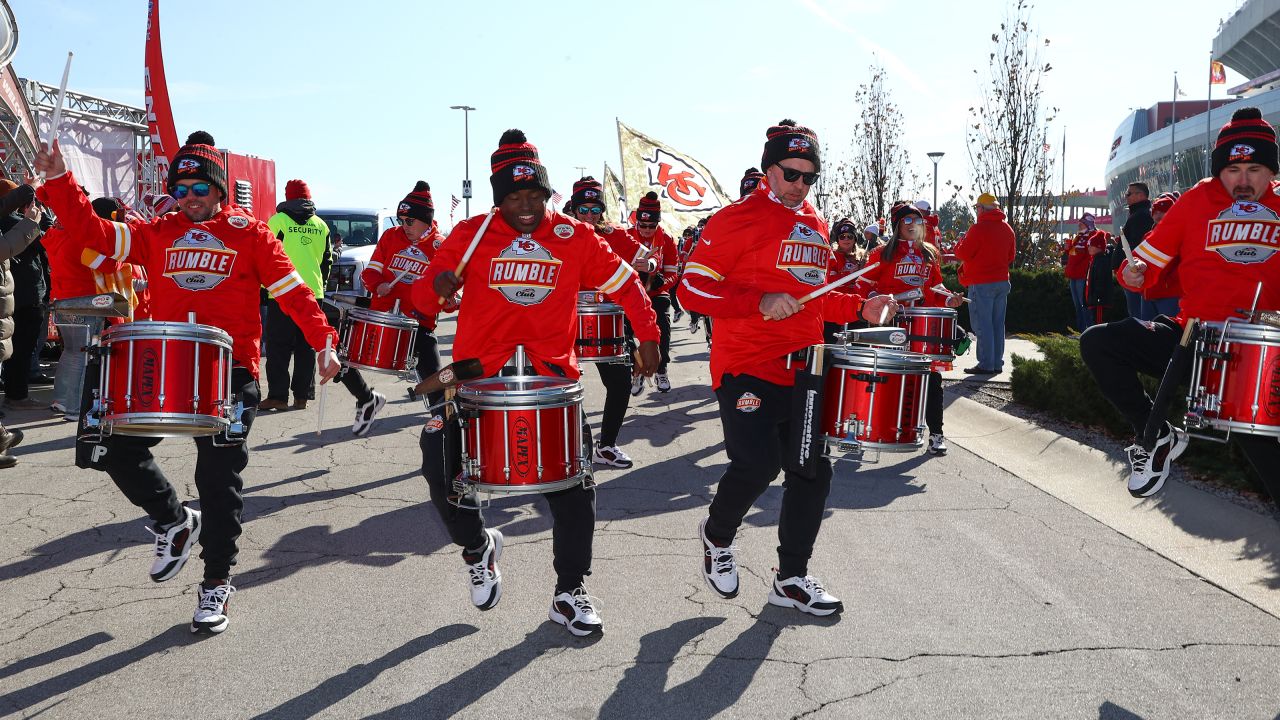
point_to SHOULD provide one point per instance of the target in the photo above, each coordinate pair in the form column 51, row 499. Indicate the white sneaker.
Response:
column 612, row 455
column 805, row 594
column 173, row 545
column 937, row 444
column 662, row 382
column 486, row 578
column 367, row 412
column 577, row 612
column 1148, row 471
column 211, row 608
column 637, row 385
column 719, row 564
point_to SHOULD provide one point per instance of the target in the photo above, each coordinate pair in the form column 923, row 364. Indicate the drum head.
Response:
column 156, row 330
column 520, row 391
column 862, row 357
column 941, row 312
column 382, row 318
column 603, row 308
column 1249, row 333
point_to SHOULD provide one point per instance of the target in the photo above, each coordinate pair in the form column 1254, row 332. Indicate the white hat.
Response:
column 923, row 205
column 873, row 228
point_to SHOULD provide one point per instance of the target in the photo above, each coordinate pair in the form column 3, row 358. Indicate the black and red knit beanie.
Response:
column 901, row 210
column 650, row 210
column 788, row 140
column 516, row 166
column 199, row 159
column 844, row 225
column 587, row 191
column 417, row 204
column 750, row 181
column 1247, row 138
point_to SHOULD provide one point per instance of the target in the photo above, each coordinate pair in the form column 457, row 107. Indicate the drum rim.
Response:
column 603, row 308
column 887, row 359
column 1245, row 332
column 378, row 317
column 165, row 424
column 1247, row 428
column 833, row 442
column 916, row 311
column 530, row 488
column 165, row 329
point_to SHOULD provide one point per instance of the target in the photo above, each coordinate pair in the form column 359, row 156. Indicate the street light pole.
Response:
column 466, row 153
column 935, row 157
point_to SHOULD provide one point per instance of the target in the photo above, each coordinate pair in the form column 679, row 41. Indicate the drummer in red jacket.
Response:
column 658, row 252
column 910, row 262
column 521, row 288
column 209, row 259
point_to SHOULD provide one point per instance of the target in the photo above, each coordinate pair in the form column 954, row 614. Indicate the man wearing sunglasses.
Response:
column 755, row 258
column 209, row 259
column 588, row 207
column 1137, row 196
column 660, row 251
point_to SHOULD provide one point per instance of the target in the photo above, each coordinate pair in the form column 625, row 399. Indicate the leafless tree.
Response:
column 1008, row 135
column 879, row 168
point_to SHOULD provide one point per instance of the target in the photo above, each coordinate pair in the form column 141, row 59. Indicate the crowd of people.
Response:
column 515, row 275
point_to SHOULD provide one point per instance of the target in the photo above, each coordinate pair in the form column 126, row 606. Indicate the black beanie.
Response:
column 845, row 225
column 417, row 204
column 750, row 180
column 1246, row 139
column 16, row 199
column 516, row 167
column 199, row 159
column 901, row 210
column 106, row 207
column 587, row 190
column 650, row 210
column 788, row 140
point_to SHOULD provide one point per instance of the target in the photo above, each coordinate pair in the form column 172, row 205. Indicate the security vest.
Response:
column 305, row 244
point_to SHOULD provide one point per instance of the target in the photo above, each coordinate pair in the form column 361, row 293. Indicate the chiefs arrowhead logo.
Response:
column 523, row 172
column 798, row 145
column 679, row 181
column 187, row 165
column 1241, row 152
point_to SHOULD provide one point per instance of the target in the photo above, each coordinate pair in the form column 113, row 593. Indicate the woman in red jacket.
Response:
column 847, row 257
column 910, row 262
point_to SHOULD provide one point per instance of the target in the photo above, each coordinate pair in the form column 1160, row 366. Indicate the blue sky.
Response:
column 354, row 97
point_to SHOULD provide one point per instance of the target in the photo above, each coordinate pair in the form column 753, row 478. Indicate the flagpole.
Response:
column 1173, row 142
column 1208, row 109
column 622, row 168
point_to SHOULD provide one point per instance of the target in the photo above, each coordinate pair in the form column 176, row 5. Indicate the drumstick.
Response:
column 1128, row 251
column 466, row 256
column 324, row 385
column 832, row 286
column 57, row 109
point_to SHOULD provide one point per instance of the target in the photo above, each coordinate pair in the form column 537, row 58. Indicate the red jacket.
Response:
column 394, row 255
column 68, row 275
column 755, row 246
column 1222, row 249
column 213, row 268
column 662, row 250
column 987, row 250
column 523, row 289
column 907, row 270
column 1078, row 257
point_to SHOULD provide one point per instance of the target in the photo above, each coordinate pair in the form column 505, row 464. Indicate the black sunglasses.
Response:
column 793, row 175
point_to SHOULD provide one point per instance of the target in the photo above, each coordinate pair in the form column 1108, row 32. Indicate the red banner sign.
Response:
column 164, row 138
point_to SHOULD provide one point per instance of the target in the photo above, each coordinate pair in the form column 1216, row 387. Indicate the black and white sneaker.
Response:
column 1148, row 471
column 173, row 544
column 486, row 578
column 805, row 594
column 576, row 611
column 211, row 608
column 367, row 412
column 719, row 564
column 937, row 444
column 662, row 382
column 637, row 385
column 611, row 455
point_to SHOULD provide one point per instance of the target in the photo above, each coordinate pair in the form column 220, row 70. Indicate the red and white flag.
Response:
column 454, row 202
column 164, row 136
column 556, row 199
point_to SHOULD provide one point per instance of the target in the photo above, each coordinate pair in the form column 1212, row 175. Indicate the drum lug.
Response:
column 237, row 419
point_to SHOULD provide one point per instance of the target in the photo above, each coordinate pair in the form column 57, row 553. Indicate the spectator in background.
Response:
column 870, row 237
column 931, row 220
column 1137, row 197
column 18, row 235
column 985, row 253
column 27, row 268
column 1162, row 298
column 1080, row 251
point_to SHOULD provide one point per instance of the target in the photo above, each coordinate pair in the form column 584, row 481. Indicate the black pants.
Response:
column 755, row 438
column 662, row 306
column 350, row 377
column 1116, row 352
column 133, row 468
column 616, row 378
column 933, row 403
column 425, row 349
column 573, row 510
column 675, row 301
column 285, row 343
column 17, row 369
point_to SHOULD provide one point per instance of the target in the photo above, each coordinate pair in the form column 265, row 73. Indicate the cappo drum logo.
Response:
column 804, row 254
column 748, row 402
column 523, row 441
column 1273, row 390
column 1245, row 233
column 524, row 272
column 198, row 261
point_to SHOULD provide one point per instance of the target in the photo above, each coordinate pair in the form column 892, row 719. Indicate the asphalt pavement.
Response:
column 1014, row 577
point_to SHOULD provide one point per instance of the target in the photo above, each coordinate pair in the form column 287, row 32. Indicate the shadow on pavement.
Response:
column 453, row 696
column 75, row 647
column 68, row 681
column 1110, row 711
column 335, row 689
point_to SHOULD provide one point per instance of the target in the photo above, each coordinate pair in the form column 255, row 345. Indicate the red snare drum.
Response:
column 522, row 434
column 602, row 336
column 931, row 331
column 377, row 341
column 165, row 379
column 1235, row 379
column 874, row 399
